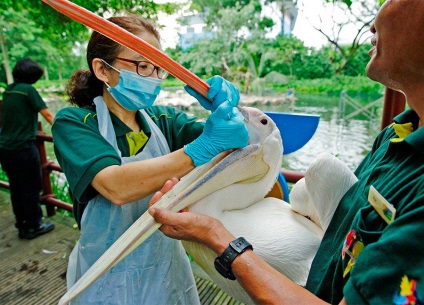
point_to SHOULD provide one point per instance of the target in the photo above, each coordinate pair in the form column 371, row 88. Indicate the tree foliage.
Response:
column 239, row 45
column 357, row 13
column 33, row 29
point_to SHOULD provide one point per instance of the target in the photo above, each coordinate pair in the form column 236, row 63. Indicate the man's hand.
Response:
column 184, row 225
column 169, row 184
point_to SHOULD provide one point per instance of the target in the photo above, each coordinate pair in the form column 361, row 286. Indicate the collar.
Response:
column 416, row 138
column 121, row 129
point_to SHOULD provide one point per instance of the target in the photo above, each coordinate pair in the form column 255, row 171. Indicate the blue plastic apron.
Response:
column 157, row 272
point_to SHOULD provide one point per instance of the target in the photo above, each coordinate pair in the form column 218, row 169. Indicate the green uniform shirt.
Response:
column 19, row 116
column 361, row 256
column 82, row 152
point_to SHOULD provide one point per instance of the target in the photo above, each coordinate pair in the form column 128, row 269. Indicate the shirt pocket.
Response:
column 370, row 225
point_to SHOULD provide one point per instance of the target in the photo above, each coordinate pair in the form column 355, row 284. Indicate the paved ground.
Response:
column 33, row 272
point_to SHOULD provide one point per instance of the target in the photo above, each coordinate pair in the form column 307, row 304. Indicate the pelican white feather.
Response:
column 286, row 236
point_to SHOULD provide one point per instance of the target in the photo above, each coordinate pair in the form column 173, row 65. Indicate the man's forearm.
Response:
column 265, row 285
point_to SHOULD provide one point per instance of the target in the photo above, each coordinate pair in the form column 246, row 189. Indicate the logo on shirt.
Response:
column 352, row 247
column 407, row 295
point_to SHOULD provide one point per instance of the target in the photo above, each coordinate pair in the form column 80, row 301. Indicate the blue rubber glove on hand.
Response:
column 224, row 129
column 220, row 91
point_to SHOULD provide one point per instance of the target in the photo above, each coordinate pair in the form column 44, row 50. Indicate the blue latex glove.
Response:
column 220, row 91
column 224, row 129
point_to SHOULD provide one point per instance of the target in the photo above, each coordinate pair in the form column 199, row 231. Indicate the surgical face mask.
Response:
column 134, row 92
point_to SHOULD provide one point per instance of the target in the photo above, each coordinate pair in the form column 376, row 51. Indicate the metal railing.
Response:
column 368, row 110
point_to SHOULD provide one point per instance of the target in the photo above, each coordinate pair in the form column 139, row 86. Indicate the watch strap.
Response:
column 223, row 262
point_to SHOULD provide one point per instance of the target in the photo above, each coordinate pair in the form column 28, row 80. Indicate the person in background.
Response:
column 372, row 251
column 19, row 156
column 116, row 149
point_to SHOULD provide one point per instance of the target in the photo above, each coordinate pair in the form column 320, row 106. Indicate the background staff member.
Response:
column 19, row 156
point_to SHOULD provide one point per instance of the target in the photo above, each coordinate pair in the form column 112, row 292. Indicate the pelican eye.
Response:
column 264, row 121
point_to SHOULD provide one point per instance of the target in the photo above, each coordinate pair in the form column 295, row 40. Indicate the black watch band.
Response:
column 223, row 262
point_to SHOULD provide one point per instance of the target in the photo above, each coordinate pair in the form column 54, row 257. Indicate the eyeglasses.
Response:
column 145, row 68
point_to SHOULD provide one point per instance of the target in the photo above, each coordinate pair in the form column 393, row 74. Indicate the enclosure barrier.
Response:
column 367, row 110
column 47, row 197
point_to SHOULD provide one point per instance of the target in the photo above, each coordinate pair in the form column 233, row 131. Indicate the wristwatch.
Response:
column 223, row 262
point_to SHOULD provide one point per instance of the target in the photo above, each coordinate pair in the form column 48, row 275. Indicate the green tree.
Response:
column 285, row 50
column 356, row 65
column 32, row 28
column 17, row 39
column 361, row 14
column 233, row 25
column 313, row 64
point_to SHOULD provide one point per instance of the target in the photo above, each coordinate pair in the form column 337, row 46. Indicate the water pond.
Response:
column 349, row 140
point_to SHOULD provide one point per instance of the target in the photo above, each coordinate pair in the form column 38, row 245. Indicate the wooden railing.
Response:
column 394, row 103
column 47, row 197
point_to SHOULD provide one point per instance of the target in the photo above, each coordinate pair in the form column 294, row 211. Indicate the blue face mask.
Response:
column 135, row 92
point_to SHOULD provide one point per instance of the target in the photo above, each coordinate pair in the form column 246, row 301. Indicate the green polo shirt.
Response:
column 19, row 116
column 362, row 257
column 82, row 152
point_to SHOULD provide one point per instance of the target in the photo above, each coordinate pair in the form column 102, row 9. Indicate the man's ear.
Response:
column 99, row 70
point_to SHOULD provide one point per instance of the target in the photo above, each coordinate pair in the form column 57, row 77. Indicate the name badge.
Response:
column 384, row 208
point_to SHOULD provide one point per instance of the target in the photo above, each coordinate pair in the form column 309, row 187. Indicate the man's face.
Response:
column 398, row 46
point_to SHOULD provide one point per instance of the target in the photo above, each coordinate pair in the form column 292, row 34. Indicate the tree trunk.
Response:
column 340, row 68
column 46, row 73
column 6, row 63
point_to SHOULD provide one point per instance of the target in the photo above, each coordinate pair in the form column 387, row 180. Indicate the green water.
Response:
column 349, row 140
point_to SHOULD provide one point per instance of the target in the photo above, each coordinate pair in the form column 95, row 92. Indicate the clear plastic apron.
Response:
column 158, row 272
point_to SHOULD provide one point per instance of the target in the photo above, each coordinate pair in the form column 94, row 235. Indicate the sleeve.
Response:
column 80, row 149
column 37, row 103
column 391, row 269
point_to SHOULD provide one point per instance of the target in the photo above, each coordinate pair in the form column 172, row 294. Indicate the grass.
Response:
column 351, row 84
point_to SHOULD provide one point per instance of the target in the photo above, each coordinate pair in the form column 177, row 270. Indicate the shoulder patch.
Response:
column 155, row 118
column 407, row 294
column 88, row 115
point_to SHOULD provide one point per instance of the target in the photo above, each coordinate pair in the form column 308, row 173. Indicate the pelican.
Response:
column 232, row 188
column 286, row 236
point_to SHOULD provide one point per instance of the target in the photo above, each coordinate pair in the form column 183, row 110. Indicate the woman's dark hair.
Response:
column 84, row 86
column 27, row 71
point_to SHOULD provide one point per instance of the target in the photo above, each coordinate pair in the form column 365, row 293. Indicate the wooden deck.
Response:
column 33, row 272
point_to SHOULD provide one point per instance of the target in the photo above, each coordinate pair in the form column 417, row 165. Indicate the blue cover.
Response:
column 296, row 129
